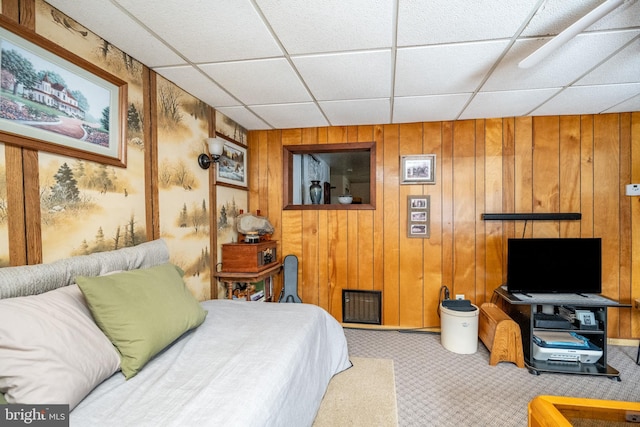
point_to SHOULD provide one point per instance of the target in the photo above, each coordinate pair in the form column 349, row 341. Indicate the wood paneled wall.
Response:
column 528, row 164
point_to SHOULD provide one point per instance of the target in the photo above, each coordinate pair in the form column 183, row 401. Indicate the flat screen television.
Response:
column 554, row 265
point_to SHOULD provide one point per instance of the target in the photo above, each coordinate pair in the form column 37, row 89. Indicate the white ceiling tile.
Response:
column 265, row 81
column 454, row 68
column 347, row 75
column 195, row 82
column 218, row 30
column 560, row 68
column 622, row 68
column 330, row 25
column 286, row 116
column 506, row 104
column 446, row 21
column 242, row 115
column 115, row 26
column 630, row 105
column 357, row 112
column 588, row 99
column 428, row 108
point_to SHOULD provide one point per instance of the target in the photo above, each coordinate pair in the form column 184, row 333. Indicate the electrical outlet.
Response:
column 459, row 296
column 632, row 416
column 633, row 190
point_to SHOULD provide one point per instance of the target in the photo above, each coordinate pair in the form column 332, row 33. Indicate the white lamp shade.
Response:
column 215, row 146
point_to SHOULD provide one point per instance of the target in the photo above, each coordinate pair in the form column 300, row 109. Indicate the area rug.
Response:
column 363, row 395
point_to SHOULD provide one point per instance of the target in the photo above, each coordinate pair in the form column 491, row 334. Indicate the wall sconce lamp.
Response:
column 215, row 150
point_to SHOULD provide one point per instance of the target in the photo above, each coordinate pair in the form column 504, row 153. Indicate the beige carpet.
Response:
column 363, row 395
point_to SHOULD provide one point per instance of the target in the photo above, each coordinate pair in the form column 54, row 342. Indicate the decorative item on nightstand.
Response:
column 252, row 237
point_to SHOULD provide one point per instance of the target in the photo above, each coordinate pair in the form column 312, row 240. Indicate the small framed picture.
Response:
column 418, row 203
column 232, row 166
column 418, row 230
column 418, row 224
column 418, row 217
column 418, row 169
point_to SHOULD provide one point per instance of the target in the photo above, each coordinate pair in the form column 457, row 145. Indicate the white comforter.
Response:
column 248, row 364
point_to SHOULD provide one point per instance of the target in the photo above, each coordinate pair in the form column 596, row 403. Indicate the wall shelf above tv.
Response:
column 569, row 216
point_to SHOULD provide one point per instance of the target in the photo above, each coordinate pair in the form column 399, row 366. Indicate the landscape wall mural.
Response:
column 230, row 202
column 87, row 206
column 230, row 128
column 183, row 186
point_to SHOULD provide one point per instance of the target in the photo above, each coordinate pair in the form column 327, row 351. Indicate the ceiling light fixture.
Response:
column 216, row 145
column 572, row 31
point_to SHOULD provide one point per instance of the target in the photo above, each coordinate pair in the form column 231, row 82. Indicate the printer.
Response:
column 564, row 347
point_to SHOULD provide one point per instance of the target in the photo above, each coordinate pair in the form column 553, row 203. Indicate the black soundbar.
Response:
column 571, row 216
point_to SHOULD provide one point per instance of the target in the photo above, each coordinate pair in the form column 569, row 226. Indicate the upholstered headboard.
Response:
column 36, row 279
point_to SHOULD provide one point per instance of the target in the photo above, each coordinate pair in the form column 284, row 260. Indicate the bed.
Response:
column 230, row 363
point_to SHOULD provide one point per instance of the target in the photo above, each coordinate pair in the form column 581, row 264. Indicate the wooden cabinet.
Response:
column 245, row 265
column 249, row 257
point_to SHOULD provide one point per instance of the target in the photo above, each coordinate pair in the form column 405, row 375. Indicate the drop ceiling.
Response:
column 289, row 63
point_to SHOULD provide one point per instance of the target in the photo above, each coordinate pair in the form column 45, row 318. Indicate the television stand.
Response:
column 522, row 309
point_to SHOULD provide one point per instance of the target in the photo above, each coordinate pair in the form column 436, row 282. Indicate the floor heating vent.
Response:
column 361, row 306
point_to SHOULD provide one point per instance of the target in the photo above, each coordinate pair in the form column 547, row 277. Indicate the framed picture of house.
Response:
column 232, row 166
column 52, row 100
column 418, row 223
column 418, row 169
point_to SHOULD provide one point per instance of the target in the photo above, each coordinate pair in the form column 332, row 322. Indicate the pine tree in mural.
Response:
column 134, row 120
column 104, row 181
column 116, row 239
column 65, row 188
column 130, row 232
column 222, row 221
column 184, row 217
column 204, row 259
column 100, row 240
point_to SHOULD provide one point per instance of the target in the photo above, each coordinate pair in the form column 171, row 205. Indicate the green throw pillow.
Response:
column 141, row 311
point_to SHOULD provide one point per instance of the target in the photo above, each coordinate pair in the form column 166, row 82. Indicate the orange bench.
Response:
column 501, row 335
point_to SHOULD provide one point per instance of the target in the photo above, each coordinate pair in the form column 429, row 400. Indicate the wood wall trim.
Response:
column 150, row 153
column 213, row 214
column 11, row 9
column 15, row 205
column 32, row 206
column 28, row 13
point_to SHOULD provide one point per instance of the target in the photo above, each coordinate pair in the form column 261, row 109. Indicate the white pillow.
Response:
column 51, row 350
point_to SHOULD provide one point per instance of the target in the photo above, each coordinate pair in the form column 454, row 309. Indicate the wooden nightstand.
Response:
column 230, row 277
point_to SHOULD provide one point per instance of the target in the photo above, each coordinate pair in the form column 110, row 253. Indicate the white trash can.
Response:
column 459, row 328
